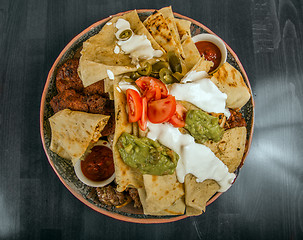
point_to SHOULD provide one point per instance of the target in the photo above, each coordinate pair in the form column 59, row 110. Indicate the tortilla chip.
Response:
column 202, row 65
column 177, row 208
column 229, row 150
column 192, row 55
column 91, row 72
column 230, row 81
column 168, row 14
column 125, row 175
column 100, row 48
column 109, row 87
column 73, row 131
column 183, row 27
column 158, row 26
column 160, row 195
column 197, row 194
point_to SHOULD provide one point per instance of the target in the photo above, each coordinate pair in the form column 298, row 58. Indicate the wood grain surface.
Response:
column 266, row 202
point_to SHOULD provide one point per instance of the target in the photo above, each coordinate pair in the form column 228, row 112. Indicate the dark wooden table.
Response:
column 266, row 202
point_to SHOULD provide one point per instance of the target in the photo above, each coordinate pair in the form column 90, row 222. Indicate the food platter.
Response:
column 65, row 170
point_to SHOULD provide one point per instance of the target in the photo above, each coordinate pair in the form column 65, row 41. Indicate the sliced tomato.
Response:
column 153, row 93
column 134, row 104
column 143, row 120
column 178, row 119
column 162, row 110
column 148, row 83
column 157, row 88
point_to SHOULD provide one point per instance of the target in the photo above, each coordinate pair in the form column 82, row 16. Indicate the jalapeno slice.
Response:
column 155, row 74
column 174, row 62
column 146, row 69
column 178, row 76
column 159, row 65
column 166, row 76
column 135, row 75
column 125, row 35
column 127, row 79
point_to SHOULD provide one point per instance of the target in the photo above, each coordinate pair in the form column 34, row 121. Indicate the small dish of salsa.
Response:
column 96, row 169
column 212, row 48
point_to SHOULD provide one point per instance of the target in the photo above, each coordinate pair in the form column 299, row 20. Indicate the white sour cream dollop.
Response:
column 200, row 91
column 195, row 158
column 137, row 46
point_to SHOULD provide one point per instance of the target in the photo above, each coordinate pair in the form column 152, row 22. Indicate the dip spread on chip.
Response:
column 137, row 46
column 177, row 133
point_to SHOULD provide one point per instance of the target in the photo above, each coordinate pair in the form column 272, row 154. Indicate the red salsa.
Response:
column 211, row 53
column 98, row 164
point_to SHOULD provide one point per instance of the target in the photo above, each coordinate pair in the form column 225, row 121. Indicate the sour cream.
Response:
column 110, row 74
column 194, row 76
column 195, row 158
column 123, row 86
column 138, row 46
column 202, row 92
column 116, row 49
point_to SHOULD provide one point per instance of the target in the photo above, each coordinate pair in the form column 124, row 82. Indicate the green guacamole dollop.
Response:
column 146, row 155
column 202, row 126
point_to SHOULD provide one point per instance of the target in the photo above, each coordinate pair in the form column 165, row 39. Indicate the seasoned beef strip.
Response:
column 68, row 78
column 109, row 127
column 72, row 95
column 69, row 99
column 96, row 88
column 99, row 104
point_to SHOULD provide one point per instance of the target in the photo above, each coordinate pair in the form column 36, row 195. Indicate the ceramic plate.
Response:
column 64, row 169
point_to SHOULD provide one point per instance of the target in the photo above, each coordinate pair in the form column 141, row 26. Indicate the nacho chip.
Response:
column 177, row 208
column 229, row 150
column 197, row 194
column 192, row 55
column 202, row 65
column 73, row 131
column 183, row 27
column 98, row 52
column 157, row 25
column 100, row 48
column 230, row 81
column 91, row 72
column 168, row 14
column 161, row 193
column 125, row 175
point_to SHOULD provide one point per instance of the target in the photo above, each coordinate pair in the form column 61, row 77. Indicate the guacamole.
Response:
column 146, row 155
column 202, row 126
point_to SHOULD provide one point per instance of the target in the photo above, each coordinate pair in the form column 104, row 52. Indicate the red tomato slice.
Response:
column 150, row 94
column 134, row 105
column 143, row 120
column 153, row 93
column 155, row 85
column 147, row 83
column 178, row 119
column 160, row 111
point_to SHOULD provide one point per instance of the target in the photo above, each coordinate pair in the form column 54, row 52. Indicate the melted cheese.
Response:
column 195, row 158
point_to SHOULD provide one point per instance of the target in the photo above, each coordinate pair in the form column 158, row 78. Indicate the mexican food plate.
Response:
column 147, row 116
